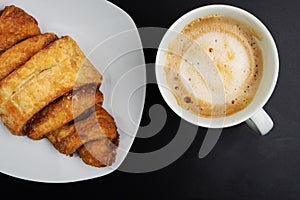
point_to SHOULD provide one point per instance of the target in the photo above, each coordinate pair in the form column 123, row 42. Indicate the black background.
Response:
column 242, row 165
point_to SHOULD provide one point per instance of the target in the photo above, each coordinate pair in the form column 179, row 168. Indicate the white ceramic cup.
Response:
column 254, row 114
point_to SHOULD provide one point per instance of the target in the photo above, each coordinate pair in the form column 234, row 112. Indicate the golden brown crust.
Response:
column 15, row 25
column 49, row 88
column 70, row 137
column 99, row 153
column 62, row 111
column 18, row 54
column 46, row 76
column 50, row 57
column 63, row 53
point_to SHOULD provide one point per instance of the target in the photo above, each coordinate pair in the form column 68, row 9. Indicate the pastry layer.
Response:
column 20, row 53
column 15, row 25
column 48, row 75
column 99, row 153
column 60, row 112
column 70, row 137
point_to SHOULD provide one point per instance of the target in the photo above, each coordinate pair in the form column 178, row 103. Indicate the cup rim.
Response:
column 192, row 15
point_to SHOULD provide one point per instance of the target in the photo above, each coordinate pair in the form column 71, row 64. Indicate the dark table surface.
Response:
column 242, row 165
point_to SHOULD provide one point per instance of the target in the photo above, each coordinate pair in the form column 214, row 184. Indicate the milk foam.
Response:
column 214, row 67
column 216, row 63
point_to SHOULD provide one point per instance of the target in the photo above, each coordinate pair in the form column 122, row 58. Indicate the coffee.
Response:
column 214, row 66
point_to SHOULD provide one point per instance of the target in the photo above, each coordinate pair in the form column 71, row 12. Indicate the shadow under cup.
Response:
column 268, row 79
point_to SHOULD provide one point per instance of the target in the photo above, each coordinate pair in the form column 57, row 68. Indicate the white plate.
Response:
column 109, row 38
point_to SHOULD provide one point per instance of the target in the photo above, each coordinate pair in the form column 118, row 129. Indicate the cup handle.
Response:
column 260, row 122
